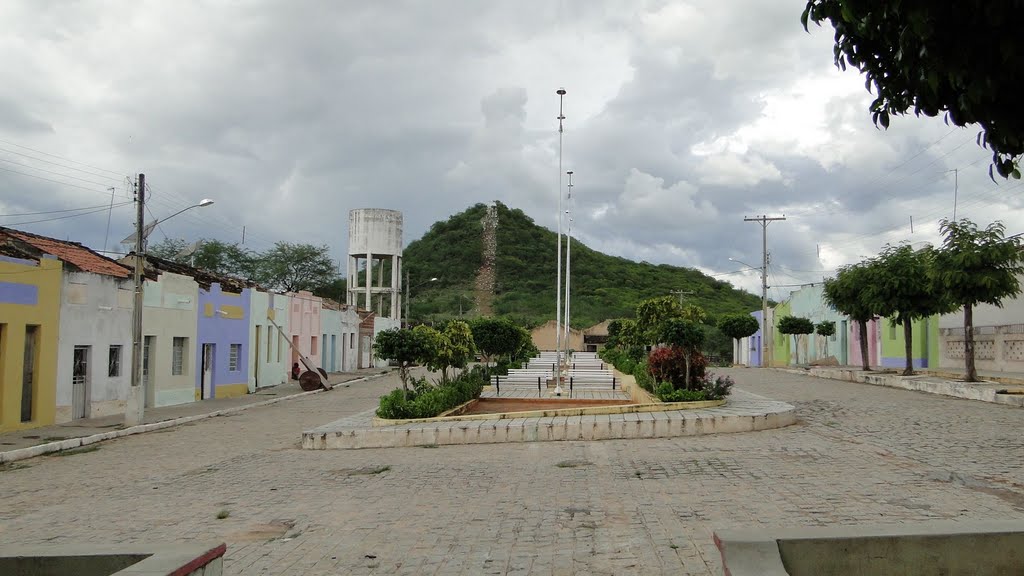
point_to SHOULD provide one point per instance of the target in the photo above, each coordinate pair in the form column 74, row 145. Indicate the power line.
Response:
column 102, row 209
column 62, row 211
column 104, row 192
column 58, row 164
column 8, row 142
column 31, row 167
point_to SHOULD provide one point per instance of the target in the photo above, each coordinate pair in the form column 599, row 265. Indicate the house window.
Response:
column 114, row 362
column 233, row 356
column 178, row 349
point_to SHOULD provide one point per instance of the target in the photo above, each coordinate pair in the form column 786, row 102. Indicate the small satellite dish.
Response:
column 146, row 231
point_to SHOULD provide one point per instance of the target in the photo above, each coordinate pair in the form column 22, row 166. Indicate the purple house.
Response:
column 222, row 351
column 753, row 344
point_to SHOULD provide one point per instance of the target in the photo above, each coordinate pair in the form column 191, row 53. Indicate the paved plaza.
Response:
column 859, row 454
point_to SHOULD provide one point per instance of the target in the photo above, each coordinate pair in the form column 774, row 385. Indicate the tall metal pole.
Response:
column 558, row 281
column 136, row 394
column 764, row 221
column 568, row 260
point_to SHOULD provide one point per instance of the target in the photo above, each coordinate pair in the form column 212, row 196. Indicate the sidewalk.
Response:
column 933, row 382
column 22, row 444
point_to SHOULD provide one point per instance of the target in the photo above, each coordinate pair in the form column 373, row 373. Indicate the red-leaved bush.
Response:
column 668, row 364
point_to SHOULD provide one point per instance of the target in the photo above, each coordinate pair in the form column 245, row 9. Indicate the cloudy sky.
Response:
column 682, row 118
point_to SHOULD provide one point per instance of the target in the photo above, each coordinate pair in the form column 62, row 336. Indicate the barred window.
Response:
column 233, row 356
column 178, row 349
column 114, row 362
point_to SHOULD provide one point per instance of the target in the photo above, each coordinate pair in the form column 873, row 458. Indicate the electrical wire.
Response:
column 104, row 192
column 62, row 211
column 9, row 143
column 103, row 209
column 59, row 164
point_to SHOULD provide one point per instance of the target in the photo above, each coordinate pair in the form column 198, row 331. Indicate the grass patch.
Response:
column 54, row 438
column 673, row 546
column 573, row 463
column 368, row 470
column 223, row 514
column 82, row 450
column 428, row 446
column 8, row 466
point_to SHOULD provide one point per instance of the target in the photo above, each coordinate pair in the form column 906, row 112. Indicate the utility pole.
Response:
column 568, row 261
column 558, row 281
column 136, row 394
column 764, row 221
column 681, row 293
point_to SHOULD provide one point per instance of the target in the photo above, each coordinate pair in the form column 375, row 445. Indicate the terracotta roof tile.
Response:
column 71, row 252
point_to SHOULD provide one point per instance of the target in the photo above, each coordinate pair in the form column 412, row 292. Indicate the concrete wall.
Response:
column 29, row 296
column 998, row 337
column 304, row 327
column 379, row 325
column 348, row 358
column 781, row 344
column 924, row 340
column 222, row 321
column 749, row 350
column 95, row 311
column 808, row 302
column 545, row 338
column 269, row 365
column 169, row 311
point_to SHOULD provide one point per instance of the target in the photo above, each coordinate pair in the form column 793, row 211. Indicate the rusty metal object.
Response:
column 310, row 381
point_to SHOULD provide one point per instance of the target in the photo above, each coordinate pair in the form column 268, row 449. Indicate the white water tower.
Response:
column 375, row 245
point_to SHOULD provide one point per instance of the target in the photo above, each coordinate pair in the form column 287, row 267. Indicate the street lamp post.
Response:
column 135, row 406
column 407, row 290
column 764, row 308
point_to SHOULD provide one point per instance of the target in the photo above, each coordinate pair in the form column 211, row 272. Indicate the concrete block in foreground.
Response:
column 115, row 560
column 948, row 548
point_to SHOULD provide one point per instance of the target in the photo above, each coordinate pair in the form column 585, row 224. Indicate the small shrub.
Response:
column 643, row 377
column 427, row 400
column 716, row 388
column 667, row 393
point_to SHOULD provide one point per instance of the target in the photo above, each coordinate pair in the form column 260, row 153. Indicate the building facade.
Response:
column 221, row 355
column 269, row 349
column 29, row 323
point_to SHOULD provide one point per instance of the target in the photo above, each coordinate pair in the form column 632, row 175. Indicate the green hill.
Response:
column 603, row 286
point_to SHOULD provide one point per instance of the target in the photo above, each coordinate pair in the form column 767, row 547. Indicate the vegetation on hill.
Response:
column 603, row 286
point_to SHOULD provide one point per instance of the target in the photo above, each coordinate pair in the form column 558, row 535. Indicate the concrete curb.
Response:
column 72, row 443
column 918, row 383
column 754, row 414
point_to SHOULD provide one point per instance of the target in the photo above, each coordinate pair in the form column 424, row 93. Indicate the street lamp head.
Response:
column 205, row 202
column 560, row 92
column 569, row 172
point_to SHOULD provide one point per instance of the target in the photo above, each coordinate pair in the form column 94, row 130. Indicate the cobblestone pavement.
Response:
column 861, row 454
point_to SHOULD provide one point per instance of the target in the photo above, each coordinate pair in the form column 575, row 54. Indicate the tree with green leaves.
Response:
column 903, row 290
column 976, row 266
column 457, row 347
column 685, row 334
column 167, row 249
column 293, row 267
column 797, row 327
column 405, row 347
column 653, row 314
column 847, row 293
column 495, row 337
column 825, row 328
column 738, row 326
column 960, row 58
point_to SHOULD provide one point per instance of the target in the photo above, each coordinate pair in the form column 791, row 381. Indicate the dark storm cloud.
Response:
column 681, row 119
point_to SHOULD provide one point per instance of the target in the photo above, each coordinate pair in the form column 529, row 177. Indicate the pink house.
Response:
column 874, row 343
column 304, row 325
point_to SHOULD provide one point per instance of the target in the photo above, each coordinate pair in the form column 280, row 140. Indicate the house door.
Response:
column 80, row 383
column 844, row 348
column 147, row 369
column 28, row 374
column 334, row 352
column 207, row 372
column 256, row 359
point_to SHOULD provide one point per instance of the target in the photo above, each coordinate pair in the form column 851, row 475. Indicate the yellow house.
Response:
column 30, row 285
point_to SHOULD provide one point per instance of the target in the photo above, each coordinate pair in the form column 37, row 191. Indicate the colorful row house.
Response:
column 66, row 333
column 936, row 342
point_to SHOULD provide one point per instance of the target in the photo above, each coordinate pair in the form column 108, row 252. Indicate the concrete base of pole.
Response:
column 134, row 406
